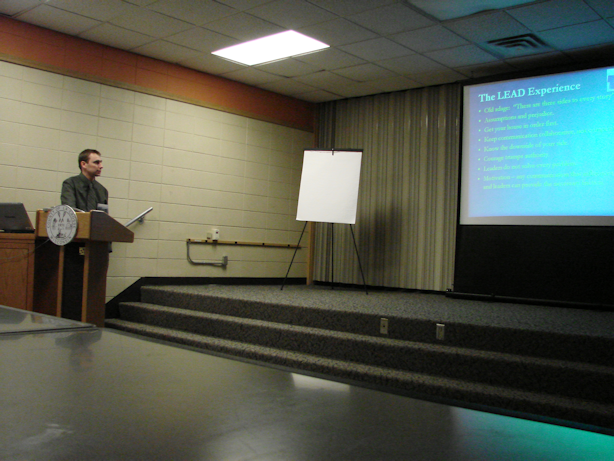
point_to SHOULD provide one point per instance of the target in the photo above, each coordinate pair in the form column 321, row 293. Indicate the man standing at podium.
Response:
column 83, row 191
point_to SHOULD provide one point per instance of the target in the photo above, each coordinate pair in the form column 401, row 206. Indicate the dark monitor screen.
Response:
column 14, row 218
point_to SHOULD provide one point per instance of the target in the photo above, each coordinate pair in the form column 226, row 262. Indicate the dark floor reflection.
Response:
column 103, row 395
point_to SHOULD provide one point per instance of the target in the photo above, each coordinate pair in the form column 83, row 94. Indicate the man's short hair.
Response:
column 85, row 156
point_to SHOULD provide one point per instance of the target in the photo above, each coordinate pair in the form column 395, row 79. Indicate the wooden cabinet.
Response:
column 17, row 270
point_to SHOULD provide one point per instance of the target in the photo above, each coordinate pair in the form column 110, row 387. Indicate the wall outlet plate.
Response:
column 440, row 331
column 383, row 326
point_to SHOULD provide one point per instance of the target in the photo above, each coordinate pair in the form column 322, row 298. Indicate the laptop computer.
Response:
column 14, row 219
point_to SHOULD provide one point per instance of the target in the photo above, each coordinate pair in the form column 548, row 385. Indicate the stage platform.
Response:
column 73, row 391
column 552, row 362
column 415, row 305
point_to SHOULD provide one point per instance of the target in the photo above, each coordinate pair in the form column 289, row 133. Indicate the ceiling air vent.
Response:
column 518, row 45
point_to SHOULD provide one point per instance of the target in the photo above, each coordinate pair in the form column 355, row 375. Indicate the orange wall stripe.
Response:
column 48, row 50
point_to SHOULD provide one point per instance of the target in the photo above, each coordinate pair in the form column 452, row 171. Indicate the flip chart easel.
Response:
column 329, row 192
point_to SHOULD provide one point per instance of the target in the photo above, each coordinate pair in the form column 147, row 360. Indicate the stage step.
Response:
column 520, row 341
column 418, row 385
column 301, row 338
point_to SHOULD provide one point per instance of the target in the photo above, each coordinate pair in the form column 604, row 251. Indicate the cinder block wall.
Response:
column 200, row 168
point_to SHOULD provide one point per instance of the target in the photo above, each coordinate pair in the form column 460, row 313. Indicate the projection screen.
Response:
column 539, row 150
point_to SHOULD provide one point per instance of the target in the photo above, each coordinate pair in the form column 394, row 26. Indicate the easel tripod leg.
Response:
column 293, row 256
column 358, row 256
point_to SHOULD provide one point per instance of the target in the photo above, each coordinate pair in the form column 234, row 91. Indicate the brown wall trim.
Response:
column 44, row 49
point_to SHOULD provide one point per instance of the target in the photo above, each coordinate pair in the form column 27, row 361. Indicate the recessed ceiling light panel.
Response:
column 271, row 48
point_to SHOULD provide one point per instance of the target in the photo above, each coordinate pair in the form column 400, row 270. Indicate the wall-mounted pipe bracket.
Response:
column 222, row 263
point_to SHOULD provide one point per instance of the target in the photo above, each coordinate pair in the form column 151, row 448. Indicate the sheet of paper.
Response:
column 329, row 186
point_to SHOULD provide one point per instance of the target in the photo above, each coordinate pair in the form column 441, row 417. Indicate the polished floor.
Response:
column 70, row 392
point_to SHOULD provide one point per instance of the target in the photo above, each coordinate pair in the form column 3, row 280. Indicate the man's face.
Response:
column 93, row 167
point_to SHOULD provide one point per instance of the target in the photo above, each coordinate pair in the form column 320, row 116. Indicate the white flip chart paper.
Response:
column 329, row 186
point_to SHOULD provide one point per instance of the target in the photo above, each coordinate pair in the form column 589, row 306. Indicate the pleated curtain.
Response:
column 408, row 192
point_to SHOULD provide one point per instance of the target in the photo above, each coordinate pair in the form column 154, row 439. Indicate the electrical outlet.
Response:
column 216, row 234
column 383, row 326
column 440, row 331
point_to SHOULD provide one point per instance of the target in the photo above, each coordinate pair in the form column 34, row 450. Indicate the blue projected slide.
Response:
column 540, row 151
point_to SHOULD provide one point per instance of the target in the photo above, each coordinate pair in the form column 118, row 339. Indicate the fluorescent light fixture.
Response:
column 271, row 48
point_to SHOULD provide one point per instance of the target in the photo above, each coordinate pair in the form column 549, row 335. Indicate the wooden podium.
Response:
column 53, row 292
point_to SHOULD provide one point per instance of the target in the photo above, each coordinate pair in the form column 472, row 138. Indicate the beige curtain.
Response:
column 406, row 218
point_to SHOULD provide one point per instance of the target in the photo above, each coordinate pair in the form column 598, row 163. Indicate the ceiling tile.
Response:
column 338, row 32
column 554, row 58
column 102, row 11
column 252, row 76
column 292, row 14
column 438, row 77
column 604, row 7
column 318, row 96
column 117, row 37
column 600, row 53
column 202, row 39
column 349, row 7
column 194, row 12
column 397, row 83
column 364, row 72
column 244, row 26
column 376, row 49
column 391, row 19
column 485, row 70
column 150, row 23
column 487, row 26
column 288, row 86
column 429, row 39
column 451, row 9
column 330, row 59
column 358, row 89
column 13, row 7
column 288, row 68
column 139, row 2
column 325, row 80
column 166, row 51
column 374, row 41
column 242, row 5
column 553, row 14
column 415, row 63
column 210, row 64
column 461, row 56
column 581, row 35
column 55, row 19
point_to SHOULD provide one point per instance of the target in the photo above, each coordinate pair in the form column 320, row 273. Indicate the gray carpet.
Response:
column 420, row 306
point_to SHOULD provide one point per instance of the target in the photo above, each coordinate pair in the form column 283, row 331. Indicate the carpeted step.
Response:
column 278, row 307
column 556, row 377
column 420, row 385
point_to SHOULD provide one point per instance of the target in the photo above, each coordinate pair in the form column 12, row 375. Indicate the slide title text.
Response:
column 521, row 92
